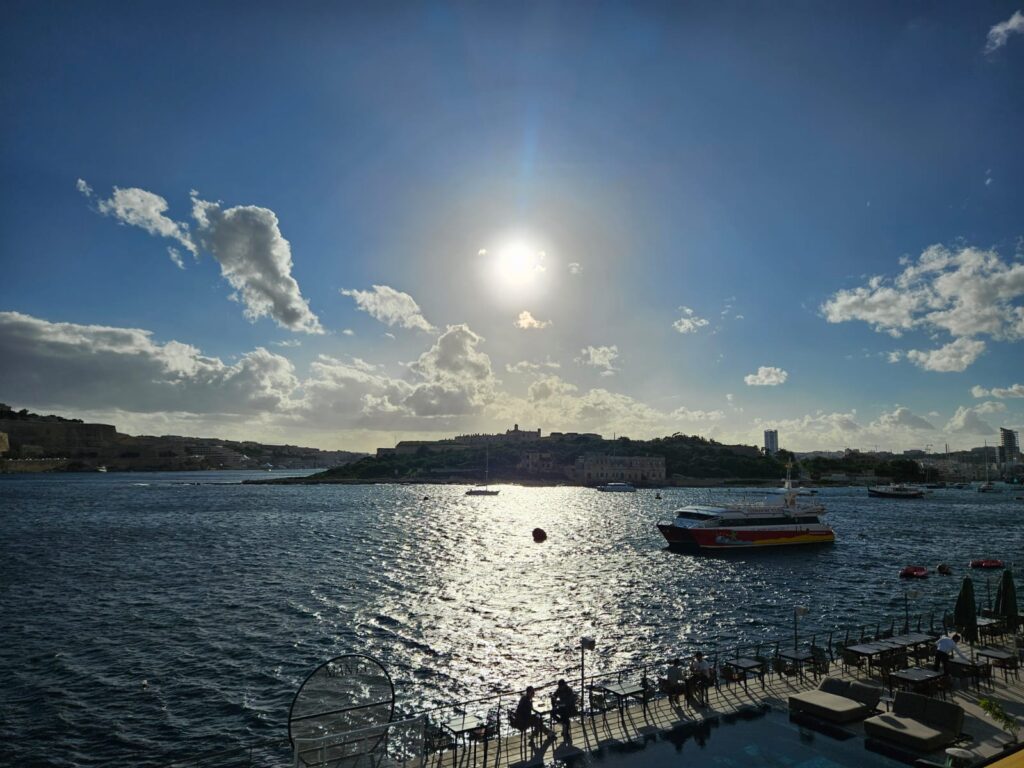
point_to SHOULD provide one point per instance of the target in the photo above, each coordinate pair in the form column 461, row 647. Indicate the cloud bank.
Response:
column 965, row 292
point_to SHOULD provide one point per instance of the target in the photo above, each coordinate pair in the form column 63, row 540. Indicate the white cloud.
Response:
column 689, row 322
column 256, row 260
column 1014, row 390
column 391, row 307
column 730, row 397
column 955, row 356
column 527, row 321
column 143, row 209
column 990, row 406
column 686, row 414
column 894, row 356
column 175, row 255
column 457, row 376
column 348, row 332
column 1000, row 33
column 83, row 186
column 766, row 376
column 525, row 366
column 901, row 418
column 600, row 357
column 246, row 241
column 966, row 421
column 575, row 268
column 965, row 292
column 290, row 343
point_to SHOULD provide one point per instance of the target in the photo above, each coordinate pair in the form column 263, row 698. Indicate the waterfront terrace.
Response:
column 750, row 714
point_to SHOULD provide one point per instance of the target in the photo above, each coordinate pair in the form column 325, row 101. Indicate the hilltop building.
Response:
column 599, row 468
column 771, row 442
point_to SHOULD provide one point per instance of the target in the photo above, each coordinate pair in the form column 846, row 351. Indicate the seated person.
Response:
column 675, row 684
column 525, row 717
column 700, row 679
column 563, row 702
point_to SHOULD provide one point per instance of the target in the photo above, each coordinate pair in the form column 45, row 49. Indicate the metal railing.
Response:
column 414, row 737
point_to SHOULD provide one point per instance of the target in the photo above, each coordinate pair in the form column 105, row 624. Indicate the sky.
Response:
column 342, row 225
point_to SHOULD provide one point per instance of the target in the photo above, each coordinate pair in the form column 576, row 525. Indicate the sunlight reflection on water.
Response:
column 223, row 597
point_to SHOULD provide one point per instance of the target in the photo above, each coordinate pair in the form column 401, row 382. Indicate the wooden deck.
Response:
column 635, row 726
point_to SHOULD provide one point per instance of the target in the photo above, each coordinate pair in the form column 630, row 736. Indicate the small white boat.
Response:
column 617, row 488
column 483, row 490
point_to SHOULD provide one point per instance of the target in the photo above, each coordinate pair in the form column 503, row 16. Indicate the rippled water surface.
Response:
column 150, row 617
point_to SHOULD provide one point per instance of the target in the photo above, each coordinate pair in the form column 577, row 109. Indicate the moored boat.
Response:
column 988, row 563
column 895, row 491
column 616, row 488
column 914, row 572
column 779, row 523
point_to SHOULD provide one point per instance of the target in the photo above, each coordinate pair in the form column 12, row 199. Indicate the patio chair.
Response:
column 436, row 740
column 782, row 667
column 485, row 734
column 820, row 662
column 597, row 702
column 851, row 659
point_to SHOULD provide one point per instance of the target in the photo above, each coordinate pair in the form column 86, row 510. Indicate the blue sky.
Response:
column 719, row 218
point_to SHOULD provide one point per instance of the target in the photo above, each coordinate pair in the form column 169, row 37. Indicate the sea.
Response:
column 150, row 618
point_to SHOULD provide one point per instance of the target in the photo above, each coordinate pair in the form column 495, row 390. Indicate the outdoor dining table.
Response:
column 622, row 691
column 999, row 658
column 459, row 726
column 910, row 639
column 870, row 650
column 798, row 657
column 746, row 665
column 914, row 678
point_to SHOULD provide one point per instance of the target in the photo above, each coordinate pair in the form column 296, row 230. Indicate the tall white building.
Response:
column 771, row 441
column 1009, row 444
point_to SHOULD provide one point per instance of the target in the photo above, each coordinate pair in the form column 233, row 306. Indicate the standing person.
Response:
column 525, row 717
column 944, row 650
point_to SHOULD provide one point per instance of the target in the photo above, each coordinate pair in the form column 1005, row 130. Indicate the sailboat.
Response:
column 987, row 486
column 483, row 490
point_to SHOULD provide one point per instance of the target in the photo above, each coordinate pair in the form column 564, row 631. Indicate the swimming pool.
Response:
column 751, row 738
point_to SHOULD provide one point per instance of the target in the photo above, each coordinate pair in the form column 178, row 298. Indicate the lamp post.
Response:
column 798, row 610
column 586, row 644
column 907, row 595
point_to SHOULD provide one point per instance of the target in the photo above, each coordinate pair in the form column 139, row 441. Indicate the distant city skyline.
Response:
column 345, row 228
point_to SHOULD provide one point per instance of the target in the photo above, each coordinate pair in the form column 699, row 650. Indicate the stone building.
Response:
column 600, row 468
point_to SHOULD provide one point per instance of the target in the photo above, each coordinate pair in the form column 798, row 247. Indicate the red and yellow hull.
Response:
column 695, row 539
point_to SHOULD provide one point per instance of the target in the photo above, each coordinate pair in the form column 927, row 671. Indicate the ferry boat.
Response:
column 782, row 523
column 896, row 491
column 616, row 488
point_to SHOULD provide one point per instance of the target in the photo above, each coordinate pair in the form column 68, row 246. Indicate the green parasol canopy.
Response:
column 965, row 615
column 1006, row 600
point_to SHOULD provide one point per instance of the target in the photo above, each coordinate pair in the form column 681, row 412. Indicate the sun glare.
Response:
column 518, row 265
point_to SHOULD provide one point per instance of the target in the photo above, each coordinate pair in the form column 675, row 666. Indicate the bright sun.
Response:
column 519, row 265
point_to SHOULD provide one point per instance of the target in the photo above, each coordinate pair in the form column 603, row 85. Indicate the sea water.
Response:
column 149, row 617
